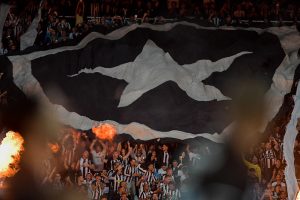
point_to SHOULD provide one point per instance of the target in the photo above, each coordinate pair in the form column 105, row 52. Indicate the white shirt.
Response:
column 97, row 157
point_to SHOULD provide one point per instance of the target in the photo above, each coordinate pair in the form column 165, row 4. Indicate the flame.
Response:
column 11, row 149
column 54, row 147
column 298, row 196
column 105, row 131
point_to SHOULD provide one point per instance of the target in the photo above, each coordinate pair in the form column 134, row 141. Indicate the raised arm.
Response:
column 103, row 146
column 144, row 154
column 129, row 151
column 187, row 148
column 63, row 142
column 50, row 178
column 92, row 146
column 119, row 147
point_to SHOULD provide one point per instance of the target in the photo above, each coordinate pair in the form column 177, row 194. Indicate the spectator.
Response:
column 79, row 12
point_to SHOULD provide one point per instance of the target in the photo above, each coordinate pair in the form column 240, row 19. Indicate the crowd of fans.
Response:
column 266, row 166
column 67, row 20
column 101, row 169
column 266, row 162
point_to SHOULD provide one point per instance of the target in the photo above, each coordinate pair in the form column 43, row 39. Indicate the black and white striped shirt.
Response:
column 269, row 158
column 150, row 178
column 141, row 189
column 117, row 180
column 69, row 155
column 97, row 193
column 166, row 158
column 84, row 170
column 125, row 161
column 113, row 162
column 128, row 173
column 173, row 194
column 146, row 195
column 165, row 189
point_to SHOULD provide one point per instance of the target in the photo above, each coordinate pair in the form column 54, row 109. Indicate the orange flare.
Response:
column 11, row 149
column 54, row 147
column 105, row 131
column 298, row 196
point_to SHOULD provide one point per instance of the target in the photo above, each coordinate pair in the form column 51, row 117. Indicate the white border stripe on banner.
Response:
column 288, row 148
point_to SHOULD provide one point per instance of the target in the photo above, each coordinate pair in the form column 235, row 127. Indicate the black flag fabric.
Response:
column 176, row 80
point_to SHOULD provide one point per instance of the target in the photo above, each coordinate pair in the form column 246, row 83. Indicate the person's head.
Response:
column 122, row 190
column 281, row 173
column 278, row 178
column 124, row 196
column 164, row 167
column 115, row 155
column 103, row 198
column 254, row 160
column 89, row 176
column 80, row 179
column 104, row 172
column 278, row 163
column 116, row 166
column 146, row 187
column 151, row 167
column 97, row 177
column 153, row 153
column 268, row 145
column 169, row 172
column 165, row 148
column 175, row 163
column 119, row 169
column 98, row 148
column 83, row 143
column 278, row 189
column 85, row 154
column 269, row 186
column 123, row 152
column 155, row 197
column 251, row 172
column 132, row 162
column 123, row 184
column 152, row 147
column 167, row 179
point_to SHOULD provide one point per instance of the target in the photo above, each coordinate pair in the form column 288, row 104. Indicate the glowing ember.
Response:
column 11, row 148
column 105, row 131
column 54, row 147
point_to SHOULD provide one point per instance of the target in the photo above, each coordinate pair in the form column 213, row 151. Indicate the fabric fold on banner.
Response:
column 28, row 38
column 288, row 148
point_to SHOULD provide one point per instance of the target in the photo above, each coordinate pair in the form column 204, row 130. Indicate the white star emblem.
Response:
column 153, row 67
